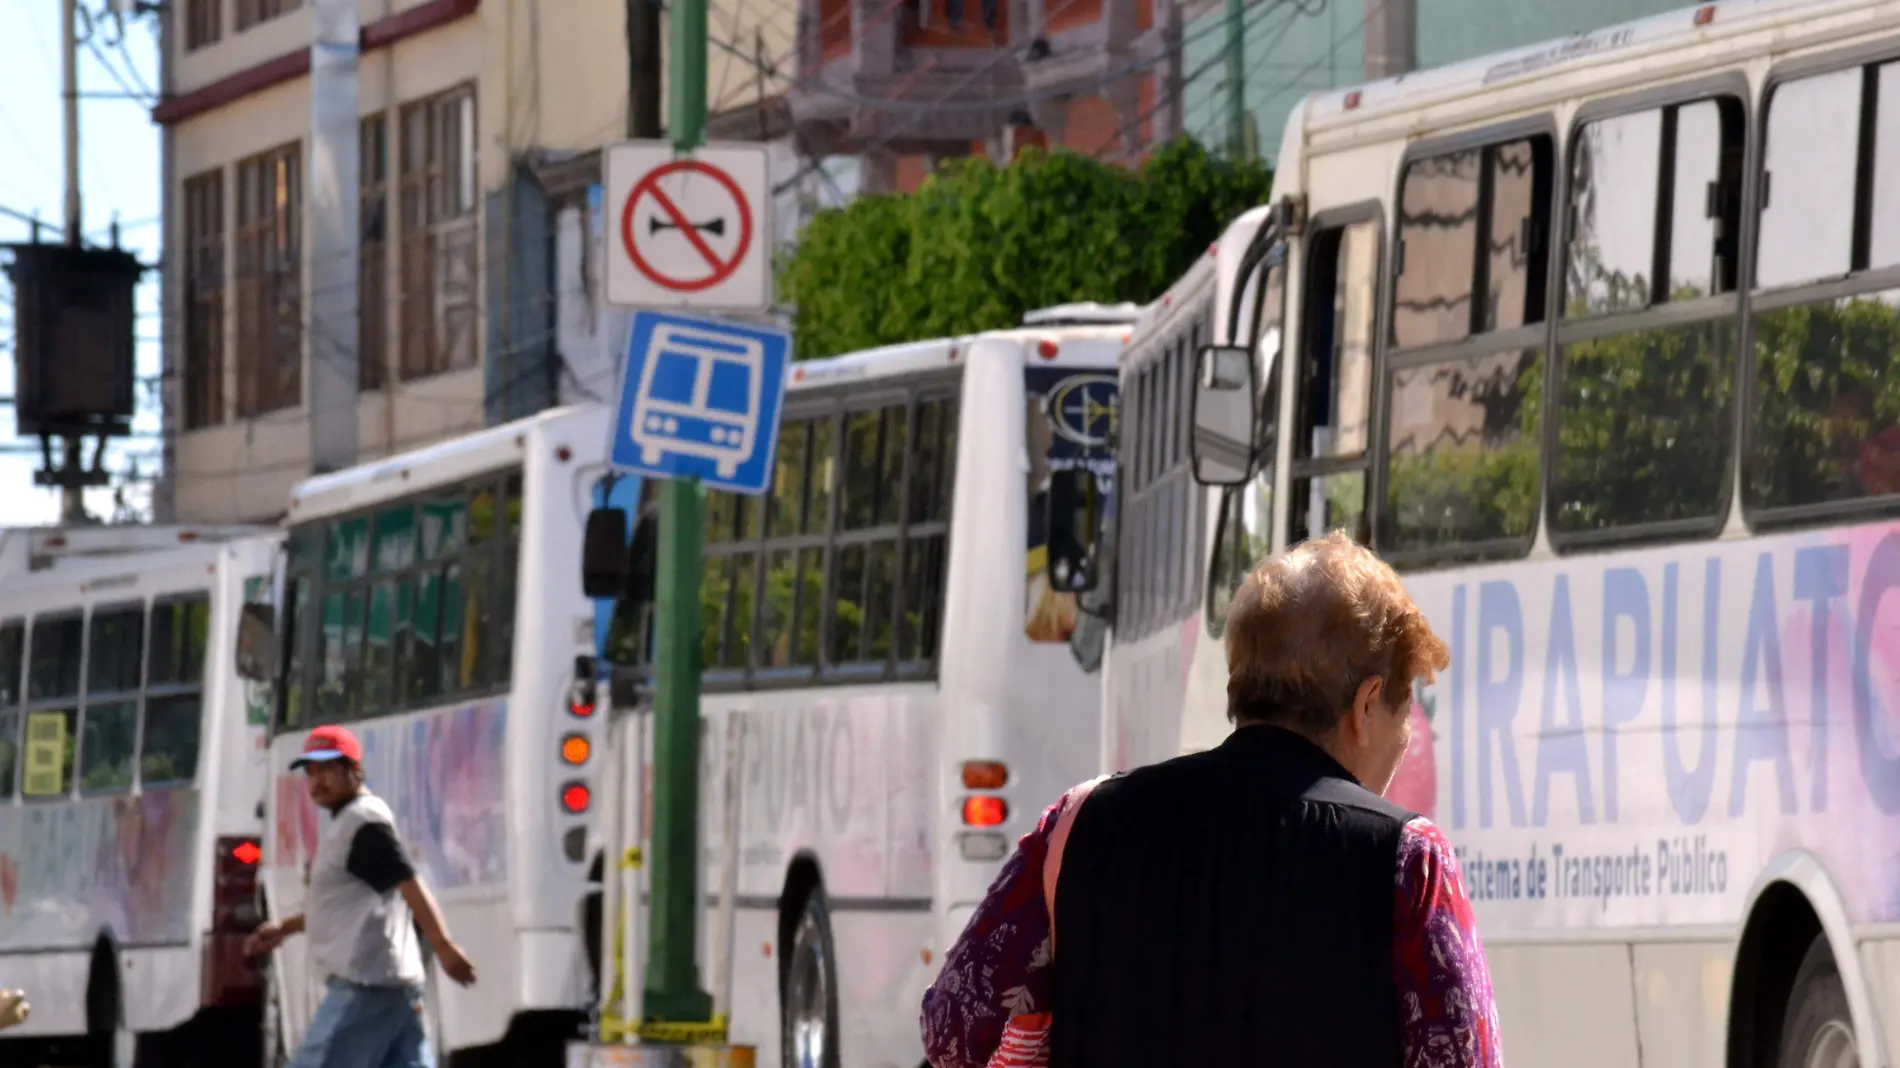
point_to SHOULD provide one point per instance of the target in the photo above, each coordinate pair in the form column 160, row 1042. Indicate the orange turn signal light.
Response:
column 575, row 749
column 984, row 775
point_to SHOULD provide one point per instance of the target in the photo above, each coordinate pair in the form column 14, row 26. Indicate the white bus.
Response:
column 885, row 678
column 1596, row 342
column 131, row 774
column 428, row 603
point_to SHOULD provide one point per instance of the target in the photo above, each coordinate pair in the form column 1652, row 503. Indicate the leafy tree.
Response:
column 978, row 245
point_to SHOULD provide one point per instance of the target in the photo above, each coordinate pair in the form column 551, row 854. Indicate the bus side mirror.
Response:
column 1226, row 402
column 256, row 642
column 642, row 558
column 1074, row 519
column 604, row 554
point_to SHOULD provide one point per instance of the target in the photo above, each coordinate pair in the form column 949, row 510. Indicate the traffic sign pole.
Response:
column 673, row 992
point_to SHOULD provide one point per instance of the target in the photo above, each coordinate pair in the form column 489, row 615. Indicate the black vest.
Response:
column 1232, row 908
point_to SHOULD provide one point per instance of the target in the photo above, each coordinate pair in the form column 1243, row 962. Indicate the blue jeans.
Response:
column 359, row 1026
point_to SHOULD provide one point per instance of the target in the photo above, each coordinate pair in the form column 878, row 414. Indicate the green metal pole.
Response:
column 1236, row 80
column 673, row 992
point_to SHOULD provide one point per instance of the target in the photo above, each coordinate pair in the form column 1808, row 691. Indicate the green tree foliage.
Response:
column 978, row 245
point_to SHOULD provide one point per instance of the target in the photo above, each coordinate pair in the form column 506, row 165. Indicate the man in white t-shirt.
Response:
column 361, row 912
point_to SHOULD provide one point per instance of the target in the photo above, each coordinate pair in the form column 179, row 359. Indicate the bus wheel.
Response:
column 1818, row 1031
column 109, row 1043
column 808, row 1001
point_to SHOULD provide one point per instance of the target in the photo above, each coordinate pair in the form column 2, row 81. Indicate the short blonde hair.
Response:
column 1311, row 624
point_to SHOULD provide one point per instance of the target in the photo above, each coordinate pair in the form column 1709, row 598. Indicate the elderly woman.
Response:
column 1256, row 904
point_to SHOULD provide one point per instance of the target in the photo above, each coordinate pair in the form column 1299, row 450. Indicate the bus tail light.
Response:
column 575, row 749
column 575, row 797
column 985, row 811
column 226, row 978
column 234, row 899
column 984, row 775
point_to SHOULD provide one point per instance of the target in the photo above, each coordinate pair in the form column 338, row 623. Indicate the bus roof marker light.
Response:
column 1047, row 349
column 1352, row 99
column 563, row 454
column 1705, row 14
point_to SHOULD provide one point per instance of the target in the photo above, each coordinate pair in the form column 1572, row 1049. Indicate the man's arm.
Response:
column 377, row 859
column 270, row 934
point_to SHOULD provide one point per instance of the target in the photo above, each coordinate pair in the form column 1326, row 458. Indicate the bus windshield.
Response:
column 398, row 607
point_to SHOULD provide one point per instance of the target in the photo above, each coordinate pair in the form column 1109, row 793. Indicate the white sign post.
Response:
column 689, row 232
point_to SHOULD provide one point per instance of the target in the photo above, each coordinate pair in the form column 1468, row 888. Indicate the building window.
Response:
column 372, row 284
column 270, row 281
column 252, row 12
column 439, row 257
column 203, row 384
column 204, row 23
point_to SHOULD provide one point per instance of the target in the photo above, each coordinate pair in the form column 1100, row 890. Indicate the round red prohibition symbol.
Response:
column 721, row 266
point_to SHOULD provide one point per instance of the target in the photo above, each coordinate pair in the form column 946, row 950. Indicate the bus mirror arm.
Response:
column 256, row 642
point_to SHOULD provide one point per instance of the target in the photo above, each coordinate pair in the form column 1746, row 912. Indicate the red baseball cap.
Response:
column 329, row 742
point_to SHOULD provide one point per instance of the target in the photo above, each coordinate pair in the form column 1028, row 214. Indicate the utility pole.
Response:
column 643, row 70
column 72, row 493
column 334, row 234
column 1237, row 79
column 1391, row 38
column 673, row 993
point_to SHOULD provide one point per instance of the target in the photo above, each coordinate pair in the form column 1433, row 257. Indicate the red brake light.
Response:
column 583, row 709
column 985, row 811
column 575, row 796
column 247, row 853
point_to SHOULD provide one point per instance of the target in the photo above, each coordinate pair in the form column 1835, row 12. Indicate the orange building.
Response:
column 904, row 83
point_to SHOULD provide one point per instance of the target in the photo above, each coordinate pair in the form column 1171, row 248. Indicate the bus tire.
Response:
column 808, row 998
column 1818, row 1029
column 109, row 1043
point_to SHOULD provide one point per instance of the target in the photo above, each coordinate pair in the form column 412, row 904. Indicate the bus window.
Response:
column 1335, row 400
column 115, row 647
column 55, row 648
column 1465, row 379
column 174, row 686
column 1644, row 427
column 1825, row 416
column 12, row 662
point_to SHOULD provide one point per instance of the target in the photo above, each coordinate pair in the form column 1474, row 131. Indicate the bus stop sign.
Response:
column 701, row 399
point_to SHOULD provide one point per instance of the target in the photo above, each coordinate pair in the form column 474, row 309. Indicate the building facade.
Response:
column 1297, row 47
column 901, row 84
column 472, row 112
